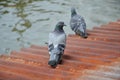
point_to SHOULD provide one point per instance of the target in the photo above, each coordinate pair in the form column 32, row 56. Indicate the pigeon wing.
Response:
column 76, row 22
column 56, row 41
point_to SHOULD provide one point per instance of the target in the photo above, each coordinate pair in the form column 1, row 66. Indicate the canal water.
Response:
column 26, row 22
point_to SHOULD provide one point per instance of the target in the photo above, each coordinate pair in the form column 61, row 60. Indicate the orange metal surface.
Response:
column 94, row 58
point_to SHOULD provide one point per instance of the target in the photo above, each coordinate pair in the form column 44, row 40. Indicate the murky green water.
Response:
column 26, row 22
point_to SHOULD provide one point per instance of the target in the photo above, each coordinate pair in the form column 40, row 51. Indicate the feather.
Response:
column 56, row 45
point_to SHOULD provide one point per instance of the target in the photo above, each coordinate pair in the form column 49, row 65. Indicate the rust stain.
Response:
column 98, row 56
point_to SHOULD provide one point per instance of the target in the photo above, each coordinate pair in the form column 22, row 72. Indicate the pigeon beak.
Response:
column 64, row 25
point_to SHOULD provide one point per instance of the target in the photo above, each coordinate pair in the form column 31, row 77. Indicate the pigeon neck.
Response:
column 73, row 13
column 57, row 28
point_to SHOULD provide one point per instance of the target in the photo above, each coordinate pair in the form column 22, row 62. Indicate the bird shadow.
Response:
column 65, row 57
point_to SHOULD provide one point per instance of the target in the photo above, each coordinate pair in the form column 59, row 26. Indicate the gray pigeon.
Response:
column 56, row 44
column 77, row 24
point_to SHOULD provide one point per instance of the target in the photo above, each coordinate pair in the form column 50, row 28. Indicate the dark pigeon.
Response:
column 77, row 24
column 56, row 44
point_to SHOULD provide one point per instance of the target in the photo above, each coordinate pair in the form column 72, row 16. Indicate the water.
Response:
column 26, row 22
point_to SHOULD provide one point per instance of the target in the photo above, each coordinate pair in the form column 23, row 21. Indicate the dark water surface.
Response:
column 26, row 22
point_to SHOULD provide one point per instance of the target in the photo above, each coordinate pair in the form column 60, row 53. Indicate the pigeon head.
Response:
column 73, row 11
column 59, row 26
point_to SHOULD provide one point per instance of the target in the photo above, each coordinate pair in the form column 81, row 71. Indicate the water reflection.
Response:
column 25, row 22
column 22, row 24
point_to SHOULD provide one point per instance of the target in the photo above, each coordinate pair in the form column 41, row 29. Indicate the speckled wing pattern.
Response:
column 57, row 42
column 77, row 22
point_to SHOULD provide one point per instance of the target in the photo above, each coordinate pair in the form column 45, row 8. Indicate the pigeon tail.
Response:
column 52, row 63
column 55, row 59
column 83, row 35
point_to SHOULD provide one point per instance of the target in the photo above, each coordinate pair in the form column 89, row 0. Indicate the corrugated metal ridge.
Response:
column 94, row 58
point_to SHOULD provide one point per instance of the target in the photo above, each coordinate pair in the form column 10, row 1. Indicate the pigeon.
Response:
column 56, row 44
column 77, row 24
